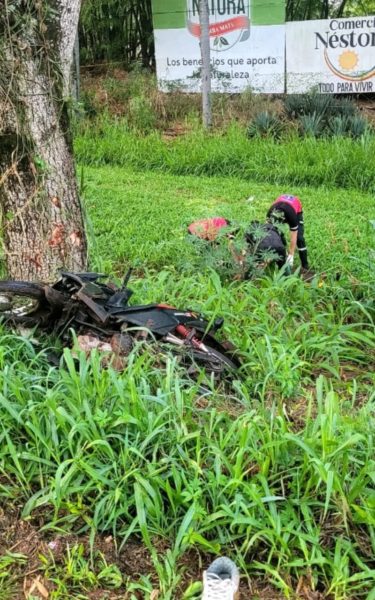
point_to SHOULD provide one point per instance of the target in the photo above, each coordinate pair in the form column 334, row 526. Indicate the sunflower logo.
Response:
column 348, row 60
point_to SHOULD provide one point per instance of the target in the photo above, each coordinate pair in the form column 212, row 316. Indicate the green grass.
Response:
column 138, row 453
column 336, row 162
column 141, row 218
column 279, row 472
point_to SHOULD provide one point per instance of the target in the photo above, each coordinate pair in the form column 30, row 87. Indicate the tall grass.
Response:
column 136, row 455
column 336, row 163
column 278, row 470
column 142, row 453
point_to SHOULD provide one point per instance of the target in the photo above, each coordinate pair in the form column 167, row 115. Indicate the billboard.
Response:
column 247, row 45
column 331, row 56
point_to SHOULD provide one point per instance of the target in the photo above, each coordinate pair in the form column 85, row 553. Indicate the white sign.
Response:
column 331, row 56
column 246, row 51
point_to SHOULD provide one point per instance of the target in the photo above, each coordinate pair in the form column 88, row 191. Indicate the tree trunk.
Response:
column 42, row 222
column 206, row 66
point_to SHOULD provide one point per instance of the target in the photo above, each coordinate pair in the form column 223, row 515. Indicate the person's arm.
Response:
column 292, row 220
column 293, row 242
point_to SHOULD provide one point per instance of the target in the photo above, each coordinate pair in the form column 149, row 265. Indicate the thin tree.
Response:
column 204, row 18
column 42, row 222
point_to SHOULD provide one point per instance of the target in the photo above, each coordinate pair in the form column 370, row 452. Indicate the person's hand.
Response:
column 290, row 260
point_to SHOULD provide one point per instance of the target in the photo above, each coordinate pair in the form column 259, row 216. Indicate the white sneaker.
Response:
column 221, row 580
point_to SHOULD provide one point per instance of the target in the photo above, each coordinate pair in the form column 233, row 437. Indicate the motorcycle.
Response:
column 84, row 303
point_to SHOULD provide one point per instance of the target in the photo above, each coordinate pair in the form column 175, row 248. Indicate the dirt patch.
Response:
column 19, row 538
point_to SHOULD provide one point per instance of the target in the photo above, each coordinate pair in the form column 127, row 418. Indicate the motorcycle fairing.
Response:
column 157, row 319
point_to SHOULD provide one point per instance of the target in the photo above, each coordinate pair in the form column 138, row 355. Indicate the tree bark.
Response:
column 42, row 221
column 204, row 19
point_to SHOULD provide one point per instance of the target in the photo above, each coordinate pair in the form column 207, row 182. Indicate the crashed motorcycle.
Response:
column 85, row 304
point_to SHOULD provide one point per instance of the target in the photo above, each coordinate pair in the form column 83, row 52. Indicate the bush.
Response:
column 339, row 125
column 319, row 114
column 358, row 126
column 311, row 125
column 297, row 105
column 265, row 124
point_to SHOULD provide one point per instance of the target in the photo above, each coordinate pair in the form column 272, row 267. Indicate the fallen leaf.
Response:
column 37, row 585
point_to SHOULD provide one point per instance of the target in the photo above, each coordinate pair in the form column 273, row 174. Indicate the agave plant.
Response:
column 294, row 105
column 339, row 125
column 265, row 124
column 297, row 105
column 311, row 125
column 358, row 126
column 344, row 107
column 319, row 104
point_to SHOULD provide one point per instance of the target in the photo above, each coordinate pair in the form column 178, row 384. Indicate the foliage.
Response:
column 136, row 452
column 339, row 125
column 296, row 105
column 301, row 10
column 112, row 91
column 311, row 125
column 265, row 473
column 358, row 126
column 343, row 163
column 320, row 114
column 117, row 30
column 265, row 124
column 142, row 218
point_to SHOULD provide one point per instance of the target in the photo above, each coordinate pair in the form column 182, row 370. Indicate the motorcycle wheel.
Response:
column 22, row 302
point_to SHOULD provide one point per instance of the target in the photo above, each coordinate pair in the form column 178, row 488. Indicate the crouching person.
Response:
column 288, row 209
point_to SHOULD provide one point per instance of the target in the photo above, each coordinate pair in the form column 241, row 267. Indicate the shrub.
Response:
column 311, row 125
column 339, row 125
column 265, row 124
column 344, row 107
column 358, row 126
column 297, row 105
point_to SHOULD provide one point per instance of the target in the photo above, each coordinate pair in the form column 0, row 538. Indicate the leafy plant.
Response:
column 297, row 105
column 265, row 124
column 311, row 124
column 339, row 125
column 357, row 126
column 344, row 107
column 322, row 112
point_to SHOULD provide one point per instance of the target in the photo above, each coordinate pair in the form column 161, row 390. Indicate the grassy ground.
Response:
column 279, row 473
column 141, row 218
column 338, row 162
